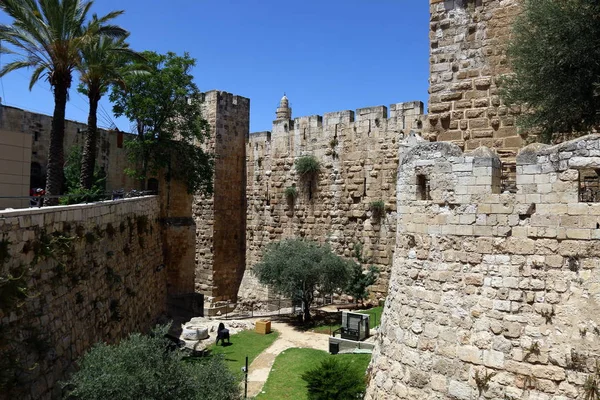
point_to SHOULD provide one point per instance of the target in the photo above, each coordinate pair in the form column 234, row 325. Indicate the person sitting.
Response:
column 222, row 334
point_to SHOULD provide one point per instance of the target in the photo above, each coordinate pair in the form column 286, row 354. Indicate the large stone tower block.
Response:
column 467, row 58
column 221, row 218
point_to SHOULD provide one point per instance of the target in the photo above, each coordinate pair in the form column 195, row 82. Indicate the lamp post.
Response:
column 245, row 371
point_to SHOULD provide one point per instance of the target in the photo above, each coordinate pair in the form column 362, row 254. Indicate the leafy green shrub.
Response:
column 72, row 172
column 334, row 380
column 360, row 281
column 377, row 208
column 291, row 193
column 141, row 367
column 307, row 166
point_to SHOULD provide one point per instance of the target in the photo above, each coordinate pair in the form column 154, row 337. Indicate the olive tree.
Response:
column 555, row 56
column 298, row 268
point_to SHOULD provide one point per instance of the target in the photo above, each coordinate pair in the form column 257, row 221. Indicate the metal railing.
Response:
column 266, row 308
column 262, row 308
column 82, row 198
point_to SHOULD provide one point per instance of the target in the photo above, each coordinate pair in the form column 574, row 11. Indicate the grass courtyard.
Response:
column 246, row 343
column 285, row 380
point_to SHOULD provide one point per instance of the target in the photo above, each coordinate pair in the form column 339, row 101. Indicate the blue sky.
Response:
column 326, row 55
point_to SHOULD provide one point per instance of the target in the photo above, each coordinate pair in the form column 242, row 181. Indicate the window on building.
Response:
column 508, row 180
column 589, row 185
column 423, row 188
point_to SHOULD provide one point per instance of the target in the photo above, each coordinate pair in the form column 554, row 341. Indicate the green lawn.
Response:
column 285, row 380
column 327, row 327
column 246, row 343
column 375, row 316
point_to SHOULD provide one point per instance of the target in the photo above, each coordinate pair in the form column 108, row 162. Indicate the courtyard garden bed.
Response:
column 285, row 380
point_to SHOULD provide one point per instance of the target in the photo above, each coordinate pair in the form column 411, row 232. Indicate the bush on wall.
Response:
column 377, row 208
column 291, row 193
column 308, row 166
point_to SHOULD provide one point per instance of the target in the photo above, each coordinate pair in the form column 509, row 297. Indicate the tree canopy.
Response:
column 142, row 367
column 164, row 108
column 298, row 268
column 555, row 56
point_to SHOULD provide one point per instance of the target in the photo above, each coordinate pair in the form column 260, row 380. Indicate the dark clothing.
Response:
column 222, row 334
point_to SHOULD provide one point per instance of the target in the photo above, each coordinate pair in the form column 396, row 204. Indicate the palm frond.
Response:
column 15, row 65
column 113, row 31
column 37, row 73
column 111, row 15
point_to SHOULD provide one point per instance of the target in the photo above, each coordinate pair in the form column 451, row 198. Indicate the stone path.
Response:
column 288, row 338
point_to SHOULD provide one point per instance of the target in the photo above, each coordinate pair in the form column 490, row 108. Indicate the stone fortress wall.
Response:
column 484, row 283
column 111, row 154
column 92, row 272
column 358, row 153
column 221, row 217
column 467, row 59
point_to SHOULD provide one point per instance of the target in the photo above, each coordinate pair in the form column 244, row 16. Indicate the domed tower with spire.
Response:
column 284, row 112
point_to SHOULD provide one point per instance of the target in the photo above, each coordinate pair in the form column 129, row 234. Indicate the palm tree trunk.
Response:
column 88, row 158
column 54, row 174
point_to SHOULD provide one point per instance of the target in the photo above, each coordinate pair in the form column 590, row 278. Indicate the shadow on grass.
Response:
column 209, row 353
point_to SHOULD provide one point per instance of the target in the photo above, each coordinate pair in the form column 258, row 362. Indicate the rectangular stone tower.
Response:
column 467, row 58
column 221, row 218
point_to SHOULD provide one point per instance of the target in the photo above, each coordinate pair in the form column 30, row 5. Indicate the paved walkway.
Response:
column 288, row 338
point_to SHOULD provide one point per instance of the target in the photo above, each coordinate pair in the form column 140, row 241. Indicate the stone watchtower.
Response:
column 284, row 112
column 467, row 57
column 221, row 217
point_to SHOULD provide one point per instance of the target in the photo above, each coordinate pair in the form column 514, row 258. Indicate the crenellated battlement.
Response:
column 226, row 99
column 258, row 137
column 545, row 175
column 372, row 118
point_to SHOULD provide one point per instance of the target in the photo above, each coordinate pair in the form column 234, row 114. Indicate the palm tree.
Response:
column 103, row 64
column 47, row 35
